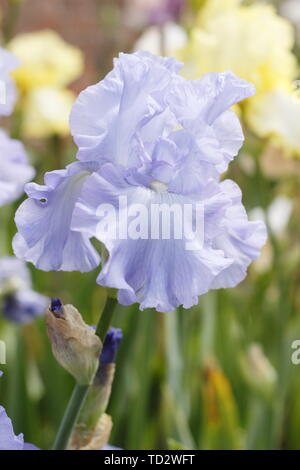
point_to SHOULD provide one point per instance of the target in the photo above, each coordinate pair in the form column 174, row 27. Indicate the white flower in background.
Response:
column 276, row 115
column 277, row 214
column 174, row 37
column 8, row 93
column 290, row 9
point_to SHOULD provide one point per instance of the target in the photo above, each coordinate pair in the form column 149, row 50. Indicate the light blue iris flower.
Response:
column 147, row 134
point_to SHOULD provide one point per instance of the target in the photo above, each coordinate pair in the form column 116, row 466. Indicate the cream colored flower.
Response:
column 46, row 112
column 46, row 60
column 252, row 41
column 256, row 43
column 276, row 115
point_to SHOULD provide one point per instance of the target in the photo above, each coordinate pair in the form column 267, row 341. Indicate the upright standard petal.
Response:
column 15, row 170
column 44, row 237
column 202, row 108
column 106, row 116
column 144, row 100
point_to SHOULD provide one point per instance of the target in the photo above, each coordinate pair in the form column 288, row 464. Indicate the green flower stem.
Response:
column 80, row 391
column 70, row 417
column 106, row 317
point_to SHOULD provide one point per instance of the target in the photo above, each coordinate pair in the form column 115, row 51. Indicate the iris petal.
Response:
column 43, row 221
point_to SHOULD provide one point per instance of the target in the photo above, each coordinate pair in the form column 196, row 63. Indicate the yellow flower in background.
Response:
column 46, row 112
column 215, row 7
column 252, row 41
column 46, row 60
column 256, row 43
column 48, row 65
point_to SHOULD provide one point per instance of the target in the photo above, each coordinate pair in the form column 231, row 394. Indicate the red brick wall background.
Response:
column 96, row 26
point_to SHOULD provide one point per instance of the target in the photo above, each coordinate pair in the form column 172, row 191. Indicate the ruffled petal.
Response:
column 106, row 116
column 241, row 241
column 202, row 108
column 43, row 221
column 159, row 273
column 143, row 100
column 222, row 90
column 229, row 134
column 208, row 97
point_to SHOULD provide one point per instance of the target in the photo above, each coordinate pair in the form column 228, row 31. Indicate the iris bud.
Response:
column 89, row 430
column 74, row 343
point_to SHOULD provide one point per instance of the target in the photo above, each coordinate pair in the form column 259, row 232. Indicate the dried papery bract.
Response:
column 74, row 343
column 90, row 428
column 96, row 438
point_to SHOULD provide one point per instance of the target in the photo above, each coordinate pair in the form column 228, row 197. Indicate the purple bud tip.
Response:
column 110, row 346
column 56, row 306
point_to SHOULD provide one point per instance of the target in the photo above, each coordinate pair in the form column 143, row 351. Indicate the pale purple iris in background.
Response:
column 8, row 439
column 167, row 10
column 18, row 302
column 150, row 135
column 140, row 13
column 15, row 169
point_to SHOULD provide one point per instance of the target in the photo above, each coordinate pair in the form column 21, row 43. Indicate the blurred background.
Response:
column 218, row 376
